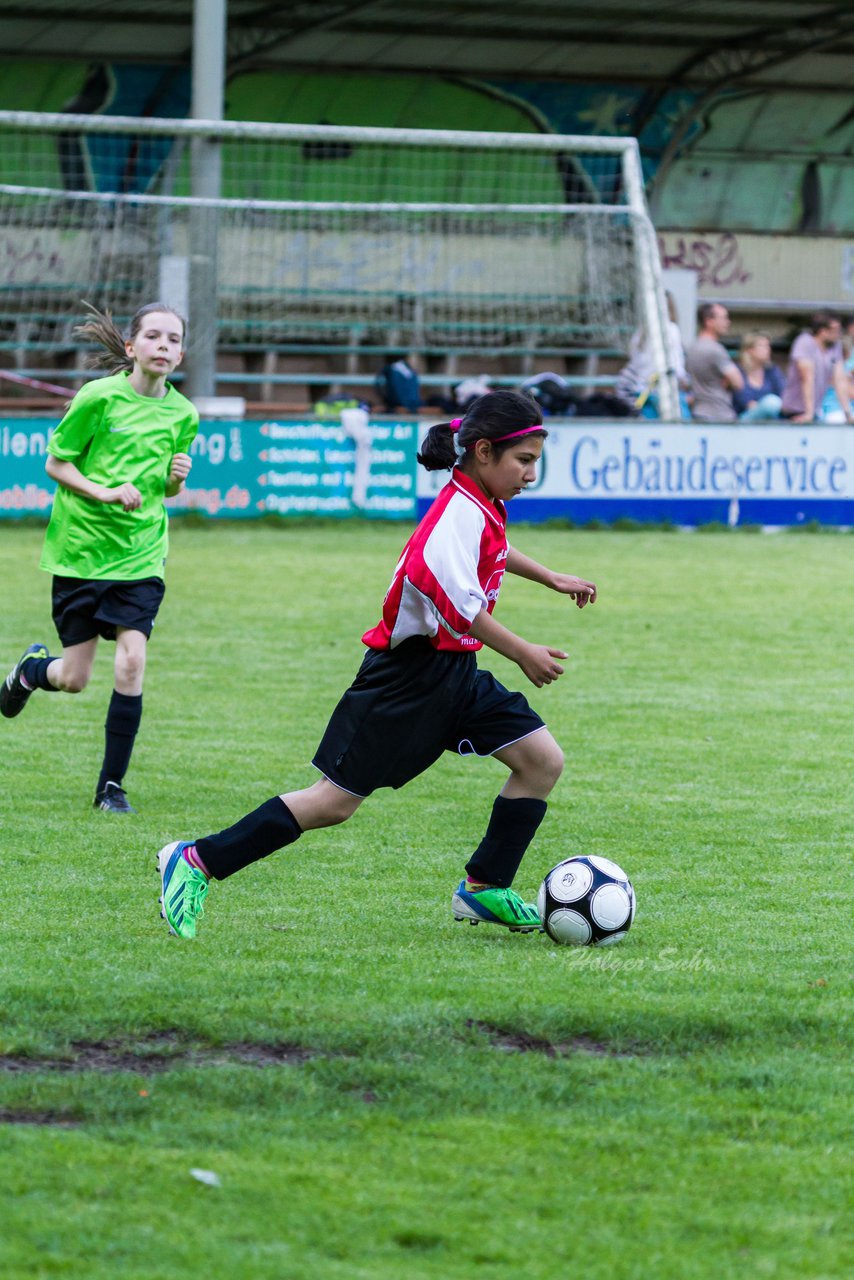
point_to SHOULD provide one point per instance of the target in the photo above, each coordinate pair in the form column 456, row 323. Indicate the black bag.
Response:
column 601, row 405
column 553, row 395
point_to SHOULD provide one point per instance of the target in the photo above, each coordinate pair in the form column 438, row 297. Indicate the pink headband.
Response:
column 456, row 423
column 511, row 434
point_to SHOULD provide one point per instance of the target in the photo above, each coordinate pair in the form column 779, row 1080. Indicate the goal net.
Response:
column 316, row 240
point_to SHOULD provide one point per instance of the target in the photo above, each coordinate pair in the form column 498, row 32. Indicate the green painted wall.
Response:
column 758, row 162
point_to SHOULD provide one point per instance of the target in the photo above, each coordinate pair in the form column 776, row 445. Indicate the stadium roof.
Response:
column 709, row 45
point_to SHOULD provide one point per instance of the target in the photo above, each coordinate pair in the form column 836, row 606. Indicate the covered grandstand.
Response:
column 742, row 113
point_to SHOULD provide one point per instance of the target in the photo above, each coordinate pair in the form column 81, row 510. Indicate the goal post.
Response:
column 326, row 239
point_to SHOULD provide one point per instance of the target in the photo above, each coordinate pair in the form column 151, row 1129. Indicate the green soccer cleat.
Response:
column 184, row 890
column 495, row 906
column 13, row 694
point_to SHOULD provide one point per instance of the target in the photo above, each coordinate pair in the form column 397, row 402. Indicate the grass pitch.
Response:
column 382, row 1093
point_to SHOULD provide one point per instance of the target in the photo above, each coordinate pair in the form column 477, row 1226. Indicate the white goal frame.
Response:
column 206, row 139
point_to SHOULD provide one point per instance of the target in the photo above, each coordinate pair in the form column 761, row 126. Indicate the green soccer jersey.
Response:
column 114, row 436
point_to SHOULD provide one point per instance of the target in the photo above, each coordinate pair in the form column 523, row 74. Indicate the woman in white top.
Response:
column 636, row 380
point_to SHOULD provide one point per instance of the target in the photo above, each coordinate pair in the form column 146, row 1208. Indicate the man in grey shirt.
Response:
column 713, row 373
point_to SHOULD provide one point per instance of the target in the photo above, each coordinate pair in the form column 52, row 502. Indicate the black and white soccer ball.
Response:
column 586, row 901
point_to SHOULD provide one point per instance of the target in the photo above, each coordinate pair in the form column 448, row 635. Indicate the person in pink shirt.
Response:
column 816, row 363
column 419, row 692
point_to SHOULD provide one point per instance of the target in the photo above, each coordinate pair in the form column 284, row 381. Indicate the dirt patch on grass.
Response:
column 418, row 1240
column 512, row 1041
column 51, row 1118
column 159, row 1051
column 258, row 1055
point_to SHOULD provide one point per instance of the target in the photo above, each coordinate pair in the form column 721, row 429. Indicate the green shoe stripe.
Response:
column 507, row 906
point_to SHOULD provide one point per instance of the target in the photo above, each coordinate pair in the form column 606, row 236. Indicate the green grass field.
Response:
column 384, row 1093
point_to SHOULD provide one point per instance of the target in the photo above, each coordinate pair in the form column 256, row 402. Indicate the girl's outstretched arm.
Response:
column 582, row 591
column 538, row 661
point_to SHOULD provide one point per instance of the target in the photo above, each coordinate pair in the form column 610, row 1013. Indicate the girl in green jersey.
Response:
column 121, row 449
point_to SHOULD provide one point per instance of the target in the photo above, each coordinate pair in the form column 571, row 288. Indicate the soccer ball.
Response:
column 586, row 901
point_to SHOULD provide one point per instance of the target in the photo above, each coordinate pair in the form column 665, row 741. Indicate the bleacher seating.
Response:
column 267, row 341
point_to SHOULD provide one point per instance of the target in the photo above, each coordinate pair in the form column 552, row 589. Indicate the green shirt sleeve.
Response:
column 74, row 434
column 188, row 431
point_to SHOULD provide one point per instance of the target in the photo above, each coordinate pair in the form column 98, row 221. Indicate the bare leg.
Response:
column 71, row 672
column 129, row 668
column 535, row 764
column 321, row 805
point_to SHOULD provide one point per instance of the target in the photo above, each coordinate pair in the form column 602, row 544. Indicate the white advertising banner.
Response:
column 772, row 475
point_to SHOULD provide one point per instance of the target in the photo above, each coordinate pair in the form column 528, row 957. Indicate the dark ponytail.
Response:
column 437, row 451
column 101, row 328
column 490, row 417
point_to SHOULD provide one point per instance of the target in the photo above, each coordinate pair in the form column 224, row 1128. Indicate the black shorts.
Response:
column 87, row 607
column 408, row 705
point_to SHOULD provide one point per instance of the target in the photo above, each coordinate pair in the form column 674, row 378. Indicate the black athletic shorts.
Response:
column 408, row 705
column 87, row 607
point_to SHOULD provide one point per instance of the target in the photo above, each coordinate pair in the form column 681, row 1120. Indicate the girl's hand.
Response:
column 124, row 495
column 581, row 591
column 180, row 468
column 539, row 665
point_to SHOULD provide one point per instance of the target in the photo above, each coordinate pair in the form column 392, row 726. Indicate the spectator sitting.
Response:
column 831, row 409
column 398, row 386
column 761, row 397
column 815, row 364
column 713, row 373
column 636, row 380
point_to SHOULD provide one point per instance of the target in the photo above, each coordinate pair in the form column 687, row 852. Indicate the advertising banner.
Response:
column 595, row 470
column 243, row 469
column 687, row 475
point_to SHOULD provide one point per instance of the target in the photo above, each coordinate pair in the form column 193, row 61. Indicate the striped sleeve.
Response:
column 446, row 571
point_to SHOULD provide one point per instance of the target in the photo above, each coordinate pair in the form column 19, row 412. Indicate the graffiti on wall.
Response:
column 26, row 262
column 716, row 257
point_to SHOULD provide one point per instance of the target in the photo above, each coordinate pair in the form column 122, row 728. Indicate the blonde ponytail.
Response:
column 100, row 328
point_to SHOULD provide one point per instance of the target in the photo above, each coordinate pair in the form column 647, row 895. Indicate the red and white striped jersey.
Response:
column 450, row 569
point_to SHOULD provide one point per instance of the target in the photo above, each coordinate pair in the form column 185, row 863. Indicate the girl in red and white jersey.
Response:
column 419, row 692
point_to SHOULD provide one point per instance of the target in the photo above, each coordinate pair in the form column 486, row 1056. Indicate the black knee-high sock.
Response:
column 269, row 827
column 35, row 673
column 512, row 827
column 123, row 716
